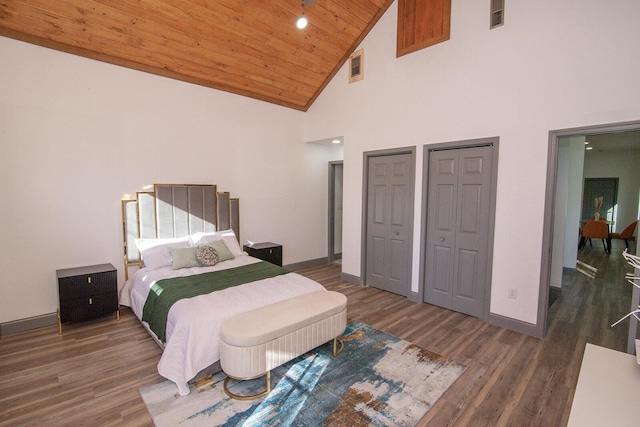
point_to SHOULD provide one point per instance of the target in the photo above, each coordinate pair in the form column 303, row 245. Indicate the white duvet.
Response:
column 193, row 324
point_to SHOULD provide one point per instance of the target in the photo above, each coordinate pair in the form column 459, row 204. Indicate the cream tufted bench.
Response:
column 257, row 341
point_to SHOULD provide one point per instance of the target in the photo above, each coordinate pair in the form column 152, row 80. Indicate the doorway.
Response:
column 555, row 224
column 388, row 219
column 335, row 211
column 460, row 181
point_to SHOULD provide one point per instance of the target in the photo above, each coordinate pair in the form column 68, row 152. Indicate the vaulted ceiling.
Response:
column 247, row 47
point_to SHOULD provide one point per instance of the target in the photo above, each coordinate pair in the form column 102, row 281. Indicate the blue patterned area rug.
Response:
column 377, row 380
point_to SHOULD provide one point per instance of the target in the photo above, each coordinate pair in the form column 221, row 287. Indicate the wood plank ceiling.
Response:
column 247, row 47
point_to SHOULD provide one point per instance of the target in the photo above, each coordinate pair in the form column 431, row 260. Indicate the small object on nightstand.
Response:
column 87, row 293
column 266, row 251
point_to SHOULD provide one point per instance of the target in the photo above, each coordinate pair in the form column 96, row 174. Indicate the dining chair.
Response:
column 627, row 233
column 580, row 238
column 596, row 230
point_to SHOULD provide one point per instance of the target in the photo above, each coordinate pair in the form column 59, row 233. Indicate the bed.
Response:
column 162, row 230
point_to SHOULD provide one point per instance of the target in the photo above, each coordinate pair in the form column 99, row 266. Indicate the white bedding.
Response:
column 193, row 324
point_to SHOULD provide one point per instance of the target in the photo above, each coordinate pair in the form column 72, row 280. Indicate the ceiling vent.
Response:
column 356, row 66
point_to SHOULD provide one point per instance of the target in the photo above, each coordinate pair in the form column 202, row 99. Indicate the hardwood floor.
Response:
column 91, row 374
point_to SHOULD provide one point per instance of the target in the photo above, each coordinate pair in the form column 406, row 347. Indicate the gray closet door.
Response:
column 457, row 228
column 388, row 227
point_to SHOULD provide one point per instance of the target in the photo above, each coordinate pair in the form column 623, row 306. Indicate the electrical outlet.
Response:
column 513, row 293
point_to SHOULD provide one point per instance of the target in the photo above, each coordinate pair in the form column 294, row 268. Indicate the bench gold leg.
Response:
column 337, row 351
column 204, row 381
column 251, row 397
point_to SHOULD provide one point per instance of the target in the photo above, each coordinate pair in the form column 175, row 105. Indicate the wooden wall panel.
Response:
column 422, row 23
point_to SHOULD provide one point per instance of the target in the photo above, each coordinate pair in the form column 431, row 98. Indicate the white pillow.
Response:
column 227, row 236
column 200, row 235
column 155, row 252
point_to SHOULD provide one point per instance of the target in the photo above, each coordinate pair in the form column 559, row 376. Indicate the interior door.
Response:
column 388, row 222
column 335, row 210
column 458, row 213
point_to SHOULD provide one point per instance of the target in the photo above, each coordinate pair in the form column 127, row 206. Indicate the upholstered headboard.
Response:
column 175, row 210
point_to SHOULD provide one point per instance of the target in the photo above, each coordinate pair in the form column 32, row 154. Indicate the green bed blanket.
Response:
column 166, row 292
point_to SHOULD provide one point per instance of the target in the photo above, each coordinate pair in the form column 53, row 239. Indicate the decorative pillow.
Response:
column 155, row 252
column 206, row 256
column 184, row 257
column 221, row 248
column 228, row 236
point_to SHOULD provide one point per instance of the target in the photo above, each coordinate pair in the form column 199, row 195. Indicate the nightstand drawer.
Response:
column 86, row 285
column 81, row 309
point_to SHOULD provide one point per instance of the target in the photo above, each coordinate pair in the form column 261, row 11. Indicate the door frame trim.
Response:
column 549, row 208
column 455, row 145
column 331, row 255
column 365, row 187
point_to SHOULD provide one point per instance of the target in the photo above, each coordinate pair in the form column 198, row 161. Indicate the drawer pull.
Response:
column 90, row 301
column 89, row 279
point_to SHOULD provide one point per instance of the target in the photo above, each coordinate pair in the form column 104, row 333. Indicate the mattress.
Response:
column 193, row 324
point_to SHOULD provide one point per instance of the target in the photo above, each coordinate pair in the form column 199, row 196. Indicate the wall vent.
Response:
column 356, row 66
column 497, row 13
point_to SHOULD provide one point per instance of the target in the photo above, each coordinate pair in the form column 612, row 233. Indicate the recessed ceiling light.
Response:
column 302, row 23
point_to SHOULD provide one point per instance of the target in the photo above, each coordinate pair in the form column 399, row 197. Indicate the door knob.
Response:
column 442, row 239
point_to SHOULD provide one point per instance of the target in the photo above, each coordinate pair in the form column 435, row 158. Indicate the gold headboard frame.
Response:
column 175, row 210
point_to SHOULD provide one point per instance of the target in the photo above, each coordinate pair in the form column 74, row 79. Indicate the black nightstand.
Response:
column 266, row 251
column 87, row 293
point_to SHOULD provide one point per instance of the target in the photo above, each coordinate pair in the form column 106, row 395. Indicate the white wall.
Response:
column 77, row 134
column 574, row 200
column 552, row 65
column 568, row 200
